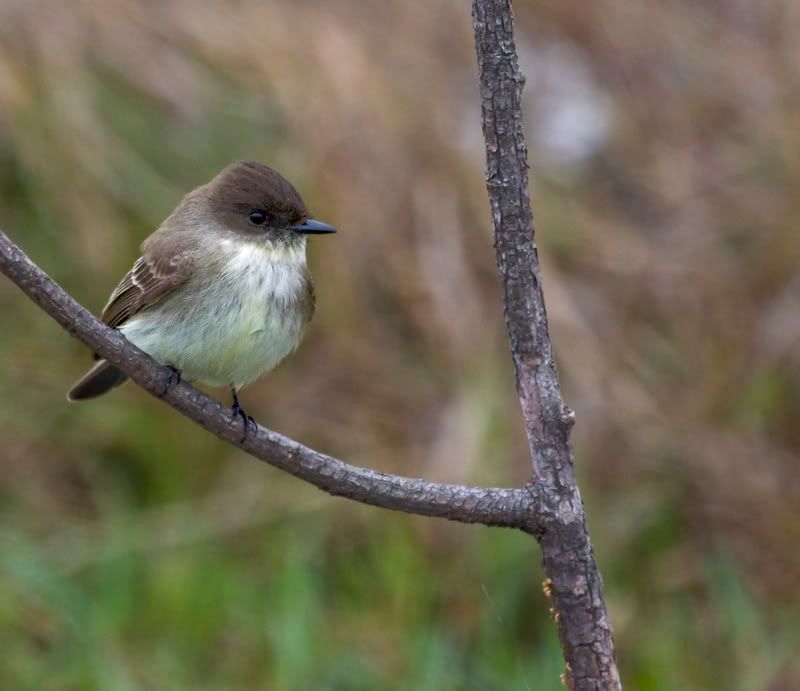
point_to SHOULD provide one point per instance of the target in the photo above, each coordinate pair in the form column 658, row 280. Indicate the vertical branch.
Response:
column 573, row 579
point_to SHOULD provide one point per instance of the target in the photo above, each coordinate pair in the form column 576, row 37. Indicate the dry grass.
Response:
column 671, row 255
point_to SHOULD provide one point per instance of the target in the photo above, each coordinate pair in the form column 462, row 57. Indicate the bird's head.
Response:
column 251, row 199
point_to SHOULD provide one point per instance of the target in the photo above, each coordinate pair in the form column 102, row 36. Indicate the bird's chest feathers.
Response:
column 257, row 314
column 265, row 287
column 237, row 321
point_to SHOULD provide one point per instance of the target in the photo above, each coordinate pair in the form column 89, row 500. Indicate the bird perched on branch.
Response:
column 222, row 292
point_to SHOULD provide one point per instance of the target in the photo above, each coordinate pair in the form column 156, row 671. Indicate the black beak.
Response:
column 312, row 227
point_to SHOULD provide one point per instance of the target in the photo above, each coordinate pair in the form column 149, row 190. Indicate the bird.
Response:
column 221, row 292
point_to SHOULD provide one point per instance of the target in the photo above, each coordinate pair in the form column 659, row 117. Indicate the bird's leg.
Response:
column 238, row 411
column 173, row 380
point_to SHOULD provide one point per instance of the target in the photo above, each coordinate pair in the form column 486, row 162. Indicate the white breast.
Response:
column 236, row 323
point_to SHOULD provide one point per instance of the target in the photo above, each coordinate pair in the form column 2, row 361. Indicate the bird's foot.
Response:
column 173, row 379
column 238, row 411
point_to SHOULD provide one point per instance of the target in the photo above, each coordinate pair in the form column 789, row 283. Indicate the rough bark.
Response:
column 573, row 579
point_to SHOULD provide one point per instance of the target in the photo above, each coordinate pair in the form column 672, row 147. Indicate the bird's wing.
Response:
column 147, row 282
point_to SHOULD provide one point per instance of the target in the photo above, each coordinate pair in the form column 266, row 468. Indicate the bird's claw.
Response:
column 247, row 420
column 173, row 379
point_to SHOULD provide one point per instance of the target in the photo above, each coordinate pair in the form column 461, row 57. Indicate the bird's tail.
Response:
column 99, row 380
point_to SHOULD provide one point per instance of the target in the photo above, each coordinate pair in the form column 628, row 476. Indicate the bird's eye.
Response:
column 258, row 217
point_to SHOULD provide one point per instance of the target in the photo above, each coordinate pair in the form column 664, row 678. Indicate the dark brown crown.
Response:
column 247, row 185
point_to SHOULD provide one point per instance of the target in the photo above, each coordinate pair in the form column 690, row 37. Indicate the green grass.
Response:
column 295, row 604
column 337, row 599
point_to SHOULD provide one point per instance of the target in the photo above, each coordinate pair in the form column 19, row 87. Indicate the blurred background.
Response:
column 139, row 552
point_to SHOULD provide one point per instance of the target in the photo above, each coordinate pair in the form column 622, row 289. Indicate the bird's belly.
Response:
column 226, row 336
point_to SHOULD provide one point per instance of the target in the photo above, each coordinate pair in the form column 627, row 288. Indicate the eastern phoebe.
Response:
column 221, row 293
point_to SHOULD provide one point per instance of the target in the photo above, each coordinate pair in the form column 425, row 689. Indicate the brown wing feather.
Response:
column 147, row 282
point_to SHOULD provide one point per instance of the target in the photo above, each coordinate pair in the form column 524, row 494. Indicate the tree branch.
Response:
column 549, row 507
column 489, row 506
column 573, row 577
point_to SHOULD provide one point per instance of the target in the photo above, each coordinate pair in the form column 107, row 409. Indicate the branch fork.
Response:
column 549, row 506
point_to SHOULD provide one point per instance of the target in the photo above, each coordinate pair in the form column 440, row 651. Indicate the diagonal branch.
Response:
column 573, row 577
column 489, row 506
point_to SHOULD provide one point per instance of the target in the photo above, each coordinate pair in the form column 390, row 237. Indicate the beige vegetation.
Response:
column 671, row 254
